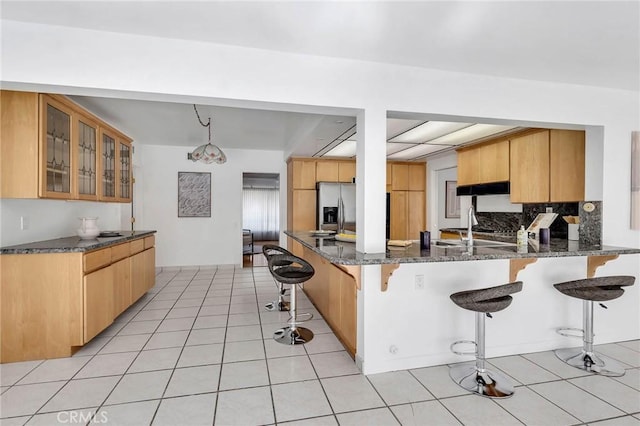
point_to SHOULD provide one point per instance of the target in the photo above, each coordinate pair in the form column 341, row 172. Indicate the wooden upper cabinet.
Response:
column 484, row 163
column 346, row 171
column 51, row 148
column 417, row 177
column 530, row 168
column 327, row 171
column 19, row 134
column 566, row 165
column 399, row 177
column 56, row 150
column 86, row 131
column 108, row 160
column 303, row 174
column 124, row 170
column 548, row 166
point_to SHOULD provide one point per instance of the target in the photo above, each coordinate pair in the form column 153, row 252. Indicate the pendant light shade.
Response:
column 207, row 153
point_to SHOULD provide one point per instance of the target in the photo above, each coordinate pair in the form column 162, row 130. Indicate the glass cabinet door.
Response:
column 87, row 160
column 108, row 158
column 57, row 150
column 125, row 170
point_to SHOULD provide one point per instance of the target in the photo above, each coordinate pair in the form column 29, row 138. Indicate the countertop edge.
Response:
column 377, row 260
column 90, row 244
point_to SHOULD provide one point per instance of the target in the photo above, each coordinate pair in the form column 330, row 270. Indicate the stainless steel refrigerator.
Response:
column 336, row 206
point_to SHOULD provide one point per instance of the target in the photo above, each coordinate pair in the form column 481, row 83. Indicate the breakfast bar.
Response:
column 392, row 310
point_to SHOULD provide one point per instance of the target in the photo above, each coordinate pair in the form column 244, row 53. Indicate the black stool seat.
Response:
column 492, row 299
column 271, row 250
column 598, row 289
column 290, row 269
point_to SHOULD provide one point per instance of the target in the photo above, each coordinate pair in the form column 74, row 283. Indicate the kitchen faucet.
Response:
column 471, row 220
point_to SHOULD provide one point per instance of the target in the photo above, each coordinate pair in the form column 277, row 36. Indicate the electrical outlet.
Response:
column 24, row 223
column 549, row 210
column 419, row 282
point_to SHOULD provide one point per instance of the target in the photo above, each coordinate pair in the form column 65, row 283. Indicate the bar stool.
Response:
column 477, row 378
column 280, row 304
column 591, row 290
column 289, row 269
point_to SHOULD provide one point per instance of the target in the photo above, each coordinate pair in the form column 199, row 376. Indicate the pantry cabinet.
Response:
column 407, row 214
column 53, row 148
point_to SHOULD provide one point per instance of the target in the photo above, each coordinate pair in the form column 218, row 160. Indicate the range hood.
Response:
column 493, row 188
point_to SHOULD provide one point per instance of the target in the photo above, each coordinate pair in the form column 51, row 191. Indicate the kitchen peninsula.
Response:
column 59, row 294
column 392, row 310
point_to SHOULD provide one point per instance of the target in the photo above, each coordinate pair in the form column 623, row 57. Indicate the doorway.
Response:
column 260, row 215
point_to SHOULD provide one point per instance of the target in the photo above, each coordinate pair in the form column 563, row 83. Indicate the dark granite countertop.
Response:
column 344, row 253
column 73, row 244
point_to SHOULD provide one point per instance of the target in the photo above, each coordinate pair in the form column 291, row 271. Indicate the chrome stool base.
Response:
column 487, row 383
column 277, row 305
column 293, row 336
column 593, row 362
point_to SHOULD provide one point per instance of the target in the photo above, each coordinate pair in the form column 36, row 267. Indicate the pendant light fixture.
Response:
column 207, row 153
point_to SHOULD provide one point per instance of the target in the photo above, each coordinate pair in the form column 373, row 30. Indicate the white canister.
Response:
column 88, row 228
column 574, row 235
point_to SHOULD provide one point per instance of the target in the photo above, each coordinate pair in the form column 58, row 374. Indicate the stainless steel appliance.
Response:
column 336, row 204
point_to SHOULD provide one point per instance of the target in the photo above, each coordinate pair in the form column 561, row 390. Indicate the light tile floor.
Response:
column 197, row 350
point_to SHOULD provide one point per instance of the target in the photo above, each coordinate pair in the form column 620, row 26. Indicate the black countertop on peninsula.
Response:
column 344, row 253
column 73, row 244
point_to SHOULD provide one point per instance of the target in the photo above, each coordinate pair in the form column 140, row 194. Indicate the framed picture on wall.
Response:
column 452, row 201
column 194, row 194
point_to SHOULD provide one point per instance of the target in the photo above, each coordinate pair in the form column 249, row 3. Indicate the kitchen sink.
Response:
column 476, row 243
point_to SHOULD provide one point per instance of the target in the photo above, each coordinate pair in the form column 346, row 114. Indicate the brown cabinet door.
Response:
column 493, row 162
column 399, row 177
column 327, row 171
column 56, row 149
column 530, row 168
column 398, row 212
column 149, row 267
column 468, row 172
column 346, row 171
column 348, row 320
column 86, row 137
column 124, row 170
column 138, row 284
column 415, row 214
column 304, row 210
column 108, row 152
column 566, row 165
column 98, row 302
column 121, row 286
column 417, row 177
column 304, row 174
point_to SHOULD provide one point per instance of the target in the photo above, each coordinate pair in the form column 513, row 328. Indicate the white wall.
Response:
column 47, row 219
column 199, row 241
column 163, row 69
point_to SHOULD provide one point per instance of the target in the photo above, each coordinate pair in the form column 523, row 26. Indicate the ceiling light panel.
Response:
column 416, row 151
column 344, row 149
column 397, row 126
column 429, row 131
column 392, row 148
column 470, row 134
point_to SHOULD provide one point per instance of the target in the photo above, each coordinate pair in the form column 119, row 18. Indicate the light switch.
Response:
column 24, row 223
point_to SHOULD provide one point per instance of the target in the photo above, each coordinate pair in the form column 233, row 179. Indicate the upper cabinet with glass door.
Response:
column 53, row 148
column 56, row 150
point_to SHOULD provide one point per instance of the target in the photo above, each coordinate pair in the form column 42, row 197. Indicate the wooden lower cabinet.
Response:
column 51, row 304
column 334, row 294
column 98, row 312
column 121, row 286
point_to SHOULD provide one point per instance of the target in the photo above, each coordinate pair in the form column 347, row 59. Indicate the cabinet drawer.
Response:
column 137, row 246
column 120, row 252
column 96, row 259
column 149, row 242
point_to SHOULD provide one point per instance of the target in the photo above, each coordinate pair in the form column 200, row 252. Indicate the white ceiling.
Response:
column 589, row 43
